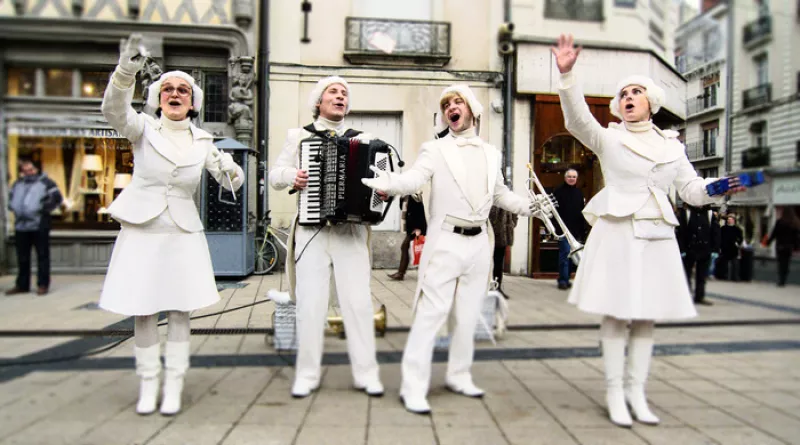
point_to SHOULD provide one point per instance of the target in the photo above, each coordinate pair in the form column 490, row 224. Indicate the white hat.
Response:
column 322, row 85
column 655, row 94
column 154, row 91
column 464, row 91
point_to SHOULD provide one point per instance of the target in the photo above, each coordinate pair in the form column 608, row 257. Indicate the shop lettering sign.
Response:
column 786, row 191
column 64, row 132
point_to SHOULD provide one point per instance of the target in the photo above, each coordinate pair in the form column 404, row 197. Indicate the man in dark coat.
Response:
column 416, row 225
column 570, row 207
column 33, row 196
column 698, row 238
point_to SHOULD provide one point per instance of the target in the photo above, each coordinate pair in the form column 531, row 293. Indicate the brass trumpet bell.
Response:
column 336, row 324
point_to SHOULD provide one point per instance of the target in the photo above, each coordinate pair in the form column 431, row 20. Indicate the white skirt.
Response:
column 158, row 267
column 631, row 278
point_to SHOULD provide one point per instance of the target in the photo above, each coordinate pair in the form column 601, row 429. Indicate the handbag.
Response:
column 416, row 248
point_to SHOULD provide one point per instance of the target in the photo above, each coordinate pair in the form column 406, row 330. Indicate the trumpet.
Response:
column 336, row 323
column 575, row 247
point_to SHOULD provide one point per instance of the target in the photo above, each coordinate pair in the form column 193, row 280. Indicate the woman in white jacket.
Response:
column 160, row 260
column 631, row 272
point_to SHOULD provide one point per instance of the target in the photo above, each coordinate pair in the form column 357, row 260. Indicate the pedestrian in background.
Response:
column 416, row 225
column 698, row 238
column 503, row 224
column 570, row 207
column 731, row 238
column 33, row 196
column 785, row 233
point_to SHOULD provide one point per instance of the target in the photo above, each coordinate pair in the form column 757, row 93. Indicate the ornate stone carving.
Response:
column 240, row 112
column 149, row 74
column 20, row 6
column 243, row 12
column 133, row 9
column 77, row 8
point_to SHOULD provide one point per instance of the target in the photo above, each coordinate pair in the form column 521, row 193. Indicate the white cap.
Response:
column 322, row 85
column 464, row 91
column 655, row 94
column 154, row 91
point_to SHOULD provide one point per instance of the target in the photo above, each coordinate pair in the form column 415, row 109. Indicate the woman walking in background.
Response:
column 786, row 234
column 416, row 225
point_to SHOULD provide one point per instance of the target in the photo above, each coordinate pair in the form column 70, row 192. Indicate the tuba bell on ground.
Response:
column 336, row 324
column 534, row 187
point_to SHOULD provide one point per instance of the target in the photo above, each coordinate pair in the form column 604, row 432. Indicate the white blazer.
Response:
column 440, row 162
column 163, row 176
column 633, row 171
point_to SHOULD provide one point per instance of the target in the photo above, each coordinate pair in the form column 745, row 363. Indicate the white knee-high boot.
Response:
column 640, row 352
column 176, row 362
column 614, row 362
column 148, row 367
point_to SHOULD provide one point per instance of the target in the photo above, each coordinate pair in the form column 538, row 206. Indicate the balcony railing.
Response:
column 755, row 157
column 397, row 41
column 757, row 96
column 757, row 30
column 701, row 149
column 699, row 104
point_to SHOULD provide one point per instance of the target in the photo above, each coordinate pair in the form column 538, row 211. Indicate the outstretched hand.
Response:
column 132, row 54
column 565, row 52
column 380, row 182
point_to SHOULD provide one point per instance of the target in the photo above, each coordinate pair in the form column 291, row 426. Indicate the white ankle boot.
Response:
column 176, row 362
column 640, row 352
column 614, row 361
column 148, row 367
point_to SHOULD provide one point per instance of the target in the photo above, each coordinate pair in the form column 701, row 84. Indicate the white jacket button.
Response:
column 175, row 173
column 656, row 222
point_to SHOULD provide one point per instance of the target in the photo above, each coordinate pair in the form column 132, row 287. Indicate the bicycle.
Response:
column 267, row 254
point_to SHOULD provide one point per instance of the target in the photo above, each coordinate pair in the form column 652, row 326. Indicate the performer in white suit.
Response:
column 455, row 267
column 631, row 271
column 315, row 252
column 160, row 260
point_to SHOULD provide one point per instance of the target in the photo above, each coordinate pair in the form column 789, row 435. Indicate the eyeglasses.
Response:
column 182, row 91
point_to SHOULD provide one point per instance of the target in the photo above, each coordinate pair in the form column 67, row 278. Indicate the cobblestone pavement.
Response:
column 730, row 376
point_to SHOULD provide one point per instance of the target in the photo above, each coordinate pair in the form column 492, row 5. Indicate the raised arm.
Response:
column 577, row 118
column 408, row 182
column 116, row 106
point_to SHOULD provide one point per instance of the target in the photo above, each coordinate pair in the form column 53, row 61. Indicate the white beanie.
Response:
column 322, row 85
column 655, row 94
column 154, row 91
column 464, row 91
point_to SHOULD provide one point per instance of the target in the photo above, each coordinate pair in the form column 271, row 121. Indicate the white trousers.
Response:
column 456, row 278
column 342, row 249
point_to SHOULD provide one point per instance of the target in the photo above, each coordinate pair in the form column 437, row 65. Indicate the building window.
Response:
column 625, row 3
column 710, row 95
column 21, row 82
column 762, row 69
column 216, row 97
column 711, row 172
column 710, row 134
column 582, row 10
column 758, row 134
column 94, row 83
column 656, row 31
column 58, row 82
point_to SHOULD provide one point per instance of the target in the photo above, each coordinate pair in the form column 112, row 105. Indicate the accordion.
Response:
column 335, row 167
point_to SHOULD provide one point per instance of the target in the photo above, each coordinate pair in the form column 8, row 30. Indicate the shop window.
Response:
column 90, row 172
column 561, row 152
column 21, row 82
column 94, row 83
column 58, row 82
column 216, row 97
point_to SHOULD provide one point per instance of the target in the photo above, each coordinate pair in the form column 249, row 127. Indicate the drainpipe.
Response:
column 729, row 92
column 262, row 131
column 508, row 101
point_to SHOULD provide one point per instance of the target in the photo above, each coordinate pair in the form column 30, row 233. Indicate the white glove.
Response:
column 540, row 207
column 227, row 164
column 132, row 54
column 382, row 181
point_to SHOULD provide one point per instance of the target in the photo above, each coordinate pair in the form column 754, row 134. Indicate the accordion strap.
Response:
column 325, row 135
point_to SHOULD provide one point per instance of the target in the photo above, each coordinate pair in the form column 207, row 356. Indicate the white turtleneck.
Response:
column 474, row 160
column 327, row 124
column 177, row 132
